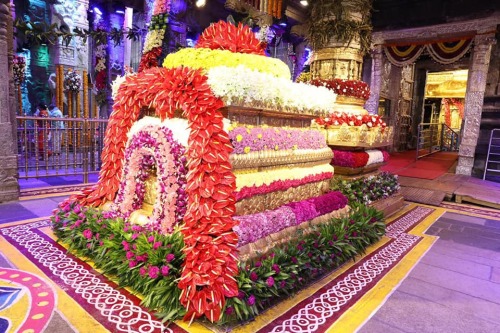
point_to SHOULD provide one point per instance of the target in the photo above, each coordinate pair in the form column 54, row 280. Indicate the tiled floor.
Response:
column 456, row 285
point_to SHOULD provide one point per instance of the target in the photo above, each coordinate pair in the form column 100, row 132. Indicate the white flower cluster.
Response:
column 245, row 87
column 100, row 55
column 115, row 85
column 178, row 126
column 154, row 39
column 374, row 156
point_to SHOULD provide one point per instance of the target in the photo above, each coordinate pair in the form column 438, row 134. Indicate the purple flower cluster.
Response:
column 252, row 139
column 257, row 226
column 149, row 148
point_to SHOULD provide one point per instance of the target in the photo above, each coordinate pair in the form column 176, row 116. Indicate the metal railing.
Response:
column 434, row 137
column 53, row 148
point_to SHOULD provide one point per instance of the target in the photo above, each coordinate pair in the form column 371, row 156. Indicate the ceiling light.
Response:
column 97, row 11
column 200, row 3
column 304, row 3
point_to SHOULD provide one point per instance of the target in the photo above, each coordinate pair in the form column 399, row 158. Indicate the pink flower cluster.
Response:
column 161, row 6
column 256, row 226
column 279, row 185
column 353, row 159
column 252, row 139
column 154, row 148
column 340, row 118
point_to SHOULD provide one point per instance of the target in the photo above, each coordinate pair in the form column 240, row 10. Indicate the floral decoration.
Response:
column 226, row 36
column 137, row 257
column 359, row 159
column 149, row 262
column 19, row 69
column 72, row 81
column 266, row 178
column 207, row 275
column 246, row 139
column 280, row 185
column 154, row 38
column 351, row 88
column 340, row 118
column 100, row 73
column 148, row 150
column 256, row 226
column 246, row 87
column 207, row 59
column 368, row 189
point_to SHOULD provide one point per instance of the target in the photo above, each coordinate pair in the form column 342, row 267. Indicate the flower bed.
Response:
column 150, row 263
column 367, row 189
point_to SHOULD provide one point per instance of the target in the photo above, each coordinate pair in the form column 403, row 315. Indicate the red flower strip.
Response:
column 280, row 185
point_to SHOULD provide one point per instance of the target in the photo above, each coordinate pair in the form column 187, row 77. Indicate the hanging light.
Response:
column 200, row 3
column 304, row 3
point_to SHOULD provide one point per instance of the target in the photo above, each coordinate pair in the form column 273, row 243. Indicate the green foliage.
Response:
column 41, row 33
column 130, row 254
column 367, row 189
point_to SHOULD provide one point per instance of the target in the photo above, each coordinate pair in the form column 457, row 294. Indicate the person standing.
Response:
column 58, row 127
column 43, row 132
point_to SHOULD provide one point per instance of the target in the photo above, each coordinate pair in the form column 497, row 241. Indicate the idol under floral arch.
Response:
column 210, row 264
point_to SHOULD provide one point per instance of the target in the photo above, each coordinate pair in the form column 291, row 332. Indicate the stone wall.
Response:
column 9, row 186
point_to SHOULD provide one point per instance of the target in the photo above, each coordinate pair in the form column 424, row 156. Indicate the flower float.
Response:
column 207, row 279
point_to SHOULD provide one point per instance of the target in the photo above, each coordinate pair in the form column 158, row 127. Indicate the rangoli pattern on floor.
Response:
column 119, row 311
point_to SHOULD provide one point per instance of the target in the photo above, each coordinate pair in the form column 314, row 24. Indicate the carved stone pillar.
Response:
column 376, row 80
column 476, row 85
column 74, row 15
column 9, row 186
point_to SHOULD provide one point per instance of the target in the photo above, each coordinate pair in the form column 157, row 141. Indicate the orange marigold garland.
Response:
column 226, row 36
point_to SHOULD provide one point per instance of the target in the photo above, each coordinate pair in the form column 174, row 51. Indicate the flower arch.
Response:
column 210, row 242
column 154, row 146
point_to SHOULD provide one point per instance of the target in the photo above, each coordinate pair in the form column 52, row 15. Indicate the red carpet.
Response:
column 429, row 167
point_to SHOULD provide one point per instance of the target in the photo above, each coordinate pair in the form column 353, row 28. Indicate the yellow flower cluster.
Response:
column 207, row 58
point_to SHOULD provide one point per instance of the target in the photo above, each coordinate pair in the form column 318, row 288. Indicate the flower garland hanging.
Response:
column 351, row 88
column 447, row 103
column 154, row 38
column 72, row 81
column 19, row 69
column 100, row 73
column 152, row 148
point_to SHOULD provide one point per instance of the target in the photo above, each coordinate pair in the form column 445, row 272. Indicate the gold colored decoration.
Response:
column 60, row 86
column 142, row 215
column 70, row 103
column 351, row 105
column 86, row 111
column 263, row 246
column 280, row 157
column 359, row 136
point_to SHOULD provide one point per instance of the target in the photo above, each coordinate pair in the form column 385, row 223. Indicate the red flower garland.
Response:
column 352, row 88
column 211, row 263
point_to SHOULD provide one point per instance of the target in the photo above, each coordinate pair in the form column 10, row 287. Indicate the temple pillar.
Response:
column 476, row 84
column 9, row 186
column 376, row 80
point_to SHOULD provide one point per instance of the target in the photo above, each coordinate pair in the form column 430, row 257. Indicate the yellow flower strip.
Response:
column 207, row 58
column 248, row 178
